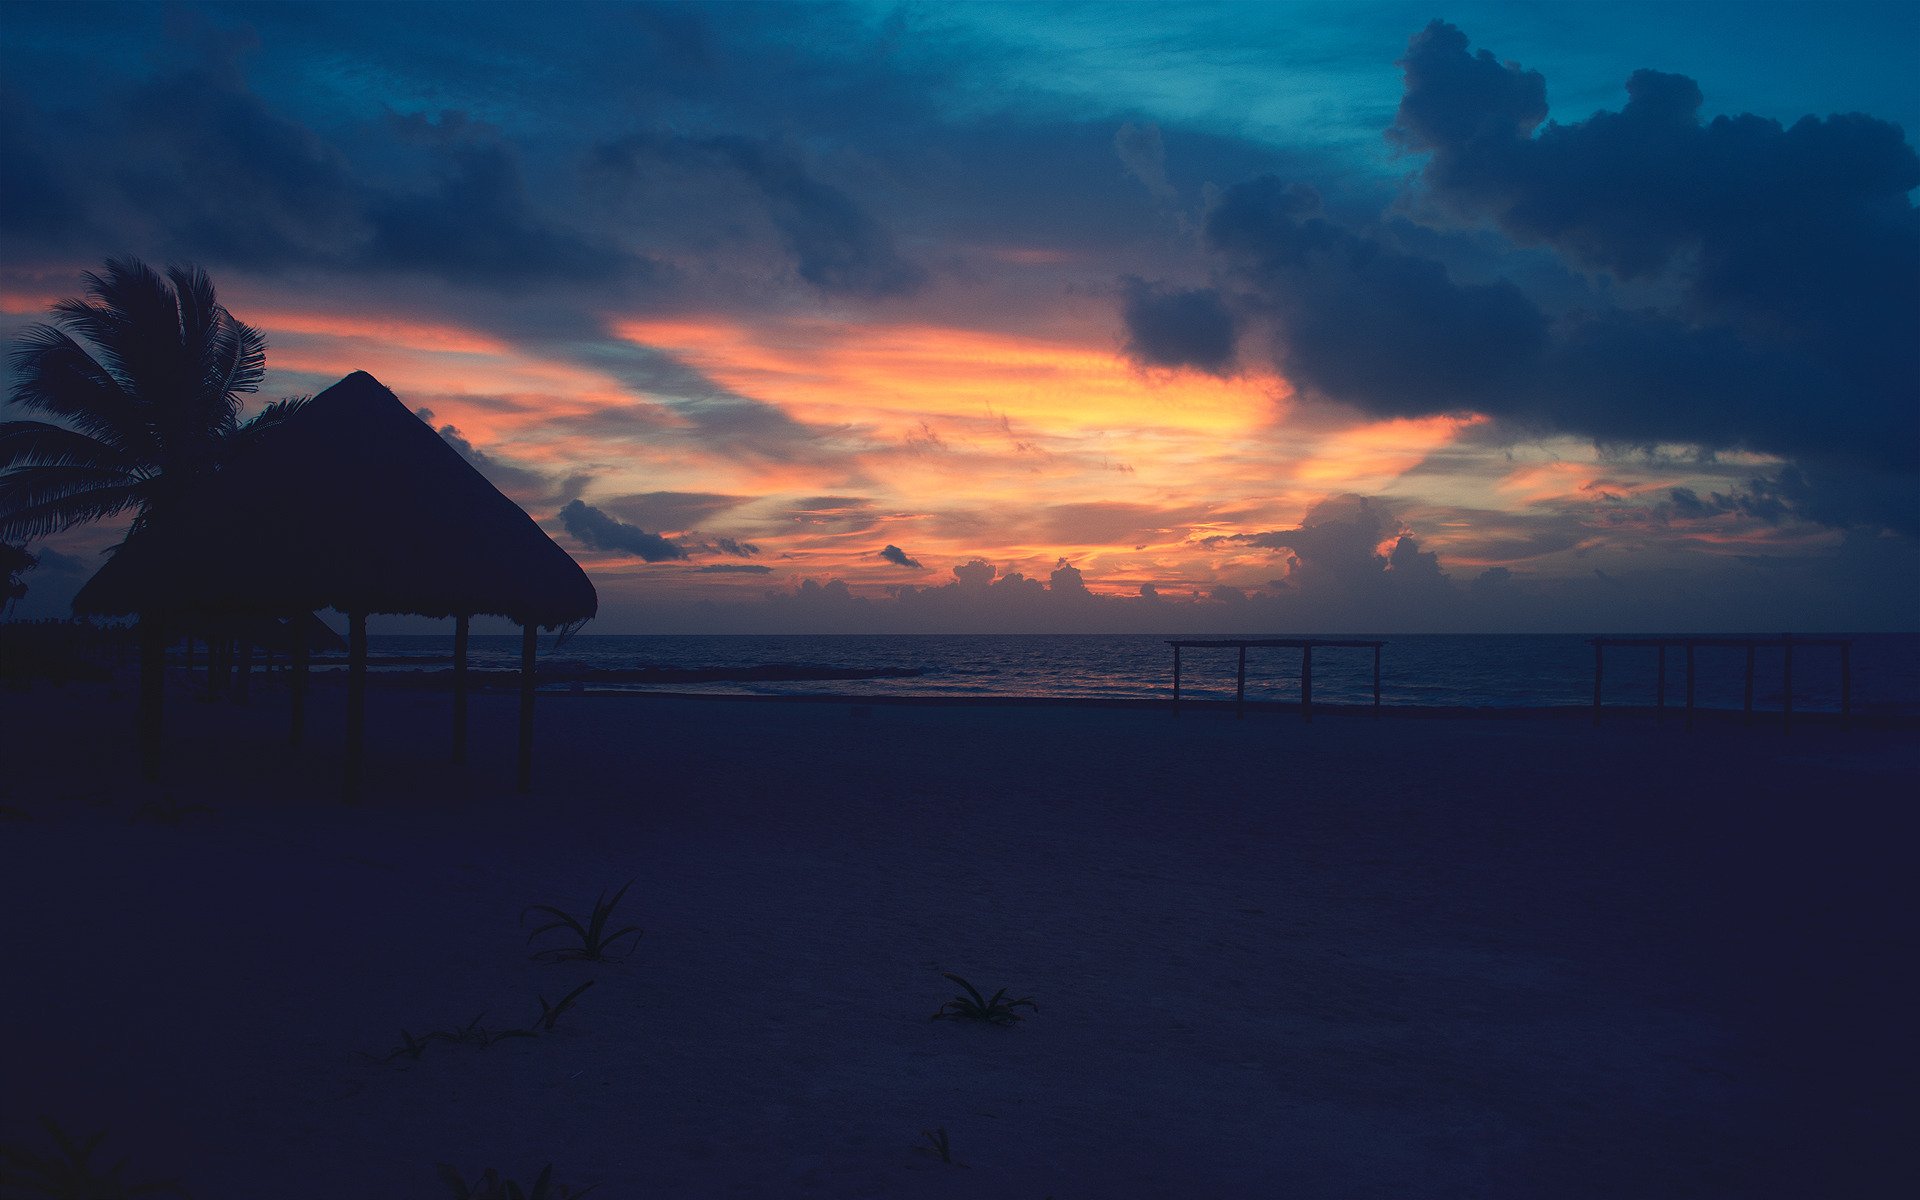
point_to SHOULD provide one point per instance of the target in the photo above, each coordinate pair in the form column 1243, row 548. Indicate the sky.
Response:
column 1290, row 317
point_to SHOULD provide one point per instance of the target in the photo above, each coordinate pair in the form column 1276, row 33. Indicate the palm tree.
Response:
column 151, row 407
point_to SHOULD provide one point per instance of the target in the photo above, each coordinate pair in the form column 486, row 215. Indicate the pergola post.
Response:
column 1599, row 673
column 1746, row 703
column 529, row 634
column 153, row 690
column 461, row 625
column 1786, row 700
column 1176, row 681
column 1660, row 684
column 1376, row 681
column 1846, row 685
column 1240, row 688
column 1689, row 687
column 356, row 702
column 297, row 680
column 1306, row 684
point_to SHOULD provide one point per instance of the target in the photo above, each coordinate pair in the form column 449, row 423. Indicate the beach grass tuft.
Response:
column 938, row 1147
column 549, row 1013
column 491, row 1185
column 975, row 1007
column 69, row 1173
column 595, row 941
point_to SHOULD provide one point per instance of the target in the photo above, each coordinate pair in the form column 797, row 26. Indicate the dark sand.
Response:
column 1403, row 958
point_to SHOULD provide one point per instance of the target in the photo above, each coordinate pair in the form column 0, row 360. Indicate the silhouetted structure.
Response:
column 354, row 504
column 1785, row 643
column 1306, row 648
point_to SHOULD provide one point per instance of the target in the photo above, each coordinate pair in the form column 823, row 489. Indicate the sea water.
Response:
column 1455, row 671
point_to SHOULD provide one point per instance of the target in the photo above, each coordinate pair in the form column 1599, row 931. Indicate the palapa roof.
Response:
column 355, row 504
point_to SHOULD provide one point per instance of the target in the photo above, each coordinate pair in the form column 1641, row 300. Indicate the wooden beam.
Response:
column 529, row 634
column 356, row 703
column 461, row 626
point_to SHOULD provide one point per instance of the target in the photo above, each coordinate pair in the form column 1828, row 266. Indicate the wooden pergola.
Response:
column 1306, row 646
column 357, row 505
column 1786, row 643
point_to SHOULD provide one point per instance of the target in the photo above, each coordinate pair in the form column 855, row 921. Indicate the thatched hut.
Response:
column 354, row 504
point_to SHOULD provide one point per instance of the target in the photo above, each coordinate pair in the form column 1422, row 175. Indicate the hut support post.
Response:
column 529, row 634
column 356, row 703
column 1240, row 688
column 1746, row 703
column 1376, row 683
column 1599, row 673
column 1846, row 685
column 153, row 690
column 461, row 625
column 244, row 677
column 1306, row 684
column 1786, row 698
column 1689, row 687
column 297, row 680
column 1176, row 681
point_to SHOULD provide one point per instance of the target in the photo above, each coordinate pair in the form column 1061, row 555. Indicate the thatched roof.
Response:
column 353, row 504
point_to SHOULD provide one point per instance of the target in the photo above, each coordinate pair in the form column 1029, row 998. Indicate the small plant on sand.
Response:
column 975, row 1007
column 472, row 1033
column 937, row 1147
column 70, row 1174
column 549, row 1013
column 595, row 941
column 410, row 1048
column 490, row 1185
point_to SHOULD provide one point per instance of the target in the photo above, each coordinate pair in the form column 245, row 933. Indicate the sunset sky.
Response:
column 1265, row 318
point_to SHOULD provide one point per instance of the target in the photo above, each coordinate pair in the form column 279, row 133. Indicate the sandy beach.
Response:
column 1396, row 958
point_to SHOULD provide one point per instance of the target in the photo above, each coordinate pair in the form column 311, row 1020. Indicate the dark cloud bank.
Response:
column 1752, row 286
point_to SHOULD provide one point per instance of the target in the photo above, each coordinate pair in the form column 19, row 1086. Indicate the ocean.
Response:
column 1448, row 671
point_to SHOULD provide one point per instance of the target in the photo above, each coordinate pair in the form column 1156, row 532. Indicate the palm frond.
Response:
column 54, row 374
column 39, row 444
column 63, row 510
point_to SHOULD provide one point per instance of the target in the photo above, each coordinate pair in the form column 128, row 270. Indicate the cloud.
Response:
column 598, row 531
column 1145, row 157
column 898, row 557
column 671, row 510
column 1174, row 328
column 527, row 487
column 733, row 569
column 1780, row 271
column 835, row 244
